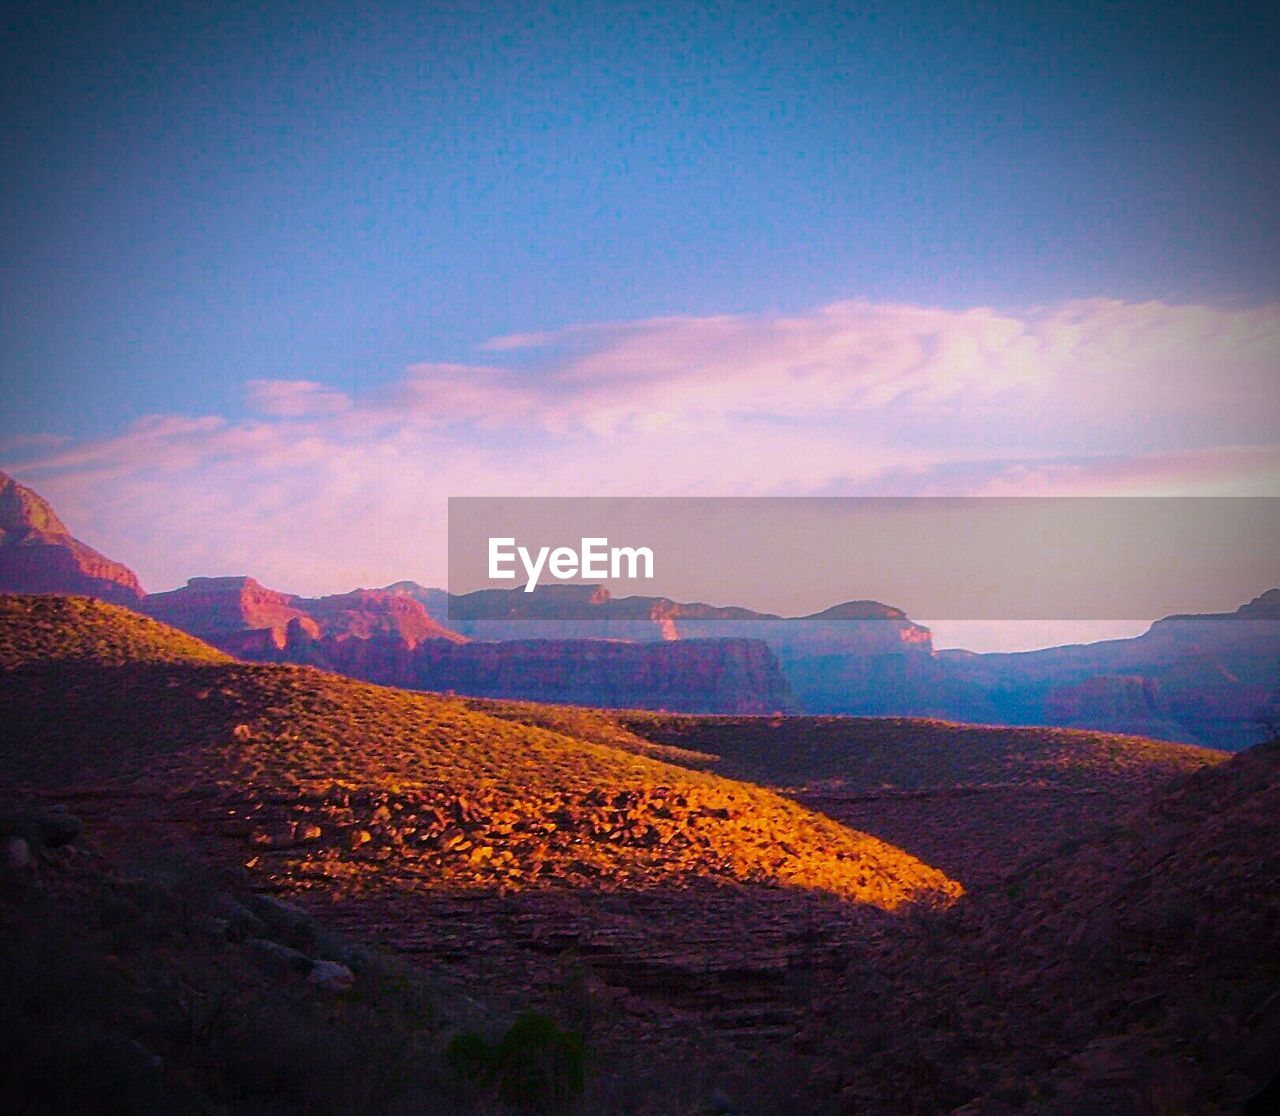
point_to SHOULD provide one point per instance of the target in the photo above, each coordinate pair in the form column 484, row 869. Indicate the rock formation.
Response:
column 245, row 618
column 39, row 555
column 710, row 676
column 1194, row 678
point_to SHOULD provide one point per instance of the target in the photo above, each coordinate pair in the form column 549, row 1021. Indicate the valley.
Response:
column 902, row 924
column 686, row 879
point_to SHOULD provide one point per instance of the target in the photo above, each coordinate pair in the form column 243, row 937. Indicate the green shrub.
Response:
column 535, row 1066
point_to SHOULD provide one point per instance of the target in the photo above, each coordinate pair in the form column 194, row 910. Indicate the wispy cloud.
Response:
column 322, row 489
column 295, row 398
column 1218, row 471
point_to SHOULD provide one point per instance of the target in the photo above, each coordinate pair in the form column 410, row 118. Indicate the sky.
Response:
column 279, row 279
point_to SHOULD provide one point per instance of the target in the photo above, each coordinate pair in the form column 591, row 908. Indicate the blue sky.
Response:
column 266, row 236
column 196, row 198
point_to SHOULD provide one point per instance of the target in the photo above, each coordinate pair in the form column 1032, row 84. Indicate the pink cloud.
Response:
column 295, row 398
column 1218, row 471
column 322, row 490
column 1065, row 369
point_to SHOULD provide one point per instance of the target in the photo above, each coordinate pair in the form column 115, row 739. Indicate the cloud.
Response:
column 1219, row 471
column 319, row 489
column 295, row 398
column 1097, row 359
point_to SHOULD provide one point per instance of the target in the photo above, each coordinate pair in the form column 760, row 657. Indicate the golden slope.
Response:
column 318, row 780
column 46, row 629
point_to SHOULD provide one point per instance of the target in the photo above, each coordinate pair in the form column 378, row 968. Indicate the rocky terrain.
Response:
column 976, row 801
column 446, row 793
column 698, row 675
column 921, row 916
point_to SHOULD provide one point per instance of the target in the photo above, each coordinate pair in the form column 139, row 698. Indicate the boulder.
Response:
column 331, row 976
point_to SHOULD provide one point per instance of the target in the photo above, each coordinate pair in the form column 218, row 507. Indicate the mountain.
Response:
column 591, row 611
column 39, row 555
column 216, row 608
column 1197, row 678
column 369, row 634
column 240, row 613
column 387, row 637
column 859, row 657
column 1192, row 678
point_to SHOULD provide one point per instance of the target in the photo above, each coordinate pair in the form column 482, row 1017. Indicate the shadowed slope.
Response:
column 600, row 726
column 865, row 754
column 1135, row 972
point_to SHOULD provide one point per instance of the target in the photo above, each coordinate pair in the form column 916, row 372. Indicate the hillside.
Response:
column 338, row 784
column 1010, row 918
column 600, row 726
column 865, row 754
column 1133, row 972
column 975, row 800
column 56, row 629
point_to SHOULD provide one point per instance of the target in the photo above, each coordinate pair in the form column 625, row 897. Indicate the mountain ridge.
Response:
column 1198, row 678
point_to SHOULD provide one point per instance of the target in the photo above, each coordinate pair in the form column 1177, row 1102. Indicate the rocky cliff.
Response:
column 590, row 612
column 39, row 555
column 245, row 618
column 387, row 637
column 1196, row 678
column 696, row 676
column 215, row 607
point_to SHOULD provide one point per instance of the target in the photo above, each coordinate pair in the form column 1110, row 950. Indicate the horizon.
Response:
column 282, row 282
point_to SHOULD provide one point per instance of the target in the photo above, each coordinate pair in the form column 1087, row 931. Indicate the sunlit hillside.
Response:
column 58, row 629
column 975, row 800
column 319, row 782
